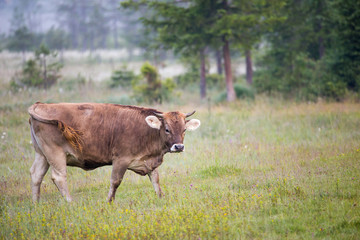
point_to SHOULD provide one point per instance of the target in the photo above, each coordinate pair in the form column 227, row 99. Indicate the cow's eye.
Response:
column 167, row 131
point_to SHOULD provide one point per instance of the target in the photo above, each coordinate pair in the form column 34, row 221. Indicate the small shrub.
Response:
column 149, row 72
column 38, row 72
column 123, row 78
column 152, row 89
column 168, row 87
column 215, row 80
column 241, row 91
column 188, row 78
column 334, row 90
column 31, row 74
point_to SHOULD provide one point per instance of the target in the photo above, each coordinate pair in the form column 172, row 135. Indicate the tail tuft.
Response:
column 72, row 136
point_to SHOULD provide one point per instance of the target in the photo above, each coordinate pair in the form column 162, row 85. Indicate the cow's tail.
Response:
column 73, row 136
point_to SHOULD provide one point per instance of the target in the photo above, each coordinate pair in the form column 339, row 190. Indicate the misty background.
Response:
column 303, row 50
column 80, row 24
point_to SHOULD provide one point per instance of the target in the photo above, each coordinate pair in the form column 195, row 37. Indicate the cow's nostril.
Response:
column 179, row 147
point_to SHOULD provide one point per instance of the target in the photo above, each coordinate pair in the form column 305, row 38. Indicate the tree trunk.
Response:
column 202, row 75
column 219, row 62
column 249, row 70
column 228, row 74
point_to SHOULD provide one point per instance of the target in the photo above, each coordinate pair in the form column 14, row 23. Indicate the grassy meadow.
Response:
column 267, row 169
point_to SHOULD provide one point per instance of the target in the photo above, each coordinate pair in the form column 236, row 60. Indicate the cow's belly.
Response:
column 86, row 164
column 142, row 170
column 145, row 165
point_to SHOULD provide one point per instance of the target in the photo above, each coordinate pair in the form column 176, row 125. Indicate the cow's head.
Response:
column 172, row 127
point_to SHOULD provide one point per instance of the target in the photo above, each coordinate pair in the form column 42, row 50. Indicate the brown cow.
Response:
column 91, row 135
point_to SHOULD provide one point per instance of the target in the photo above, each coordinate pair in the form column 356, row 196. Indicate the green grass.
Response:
column 257, row 170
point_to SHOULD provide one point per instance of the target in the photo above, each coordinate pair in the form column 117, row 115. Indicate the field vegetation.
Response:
column 260, row 169
column 276, row 85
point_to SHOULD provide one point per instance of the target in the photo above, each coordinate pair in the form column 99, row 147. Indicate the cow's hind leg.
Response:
column 37, row 172
column 58, row 173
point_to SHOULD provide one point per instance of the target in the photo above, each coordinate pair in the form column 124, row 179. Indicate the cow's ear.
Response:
column 153, row 121
column 192, row 124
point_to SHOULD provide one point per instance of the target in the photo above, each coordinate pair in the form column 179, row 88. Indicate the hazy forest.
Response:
column 276, row 85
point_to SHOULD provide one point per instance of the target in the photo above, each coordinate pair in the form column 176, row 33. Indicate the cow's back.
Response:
column 106, row 130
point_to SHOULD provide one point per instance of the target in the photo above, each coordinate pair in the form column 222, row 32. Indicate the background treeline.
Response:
column 68, row 24
column 314, row 52
column 301, row 49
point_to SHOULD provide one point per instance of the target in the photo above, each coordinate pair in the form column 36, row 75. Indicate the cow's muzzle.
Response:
column 177, row 148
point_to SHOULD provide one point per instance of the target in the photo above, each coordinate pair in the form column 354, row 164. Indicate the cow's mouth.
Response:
column 177, row 148
column 176, row 151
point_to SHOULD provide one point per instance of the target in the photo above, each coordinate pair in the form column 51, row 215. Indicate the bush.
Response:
column 242, row 92
column 334, row 90
column 215, row 80
column 188, row 78
column 306, row 79
column 192, row 78
column 31, row 74
column 38, row 72
column 168, row 88
column 151, row 89
column 122, row 78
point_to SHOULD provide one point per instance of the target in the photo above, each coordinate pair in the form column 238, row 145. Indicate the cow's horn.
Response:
column 159, row 114
column 189, row 114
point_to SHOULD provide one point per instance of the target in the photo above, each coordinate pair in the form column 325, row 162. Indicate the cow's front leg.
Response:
column 154, row 178
column 117, row 175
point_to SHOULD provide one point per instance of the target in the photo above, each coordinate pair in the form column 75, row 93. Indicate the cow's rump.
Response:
column 43, row 113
